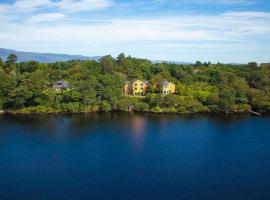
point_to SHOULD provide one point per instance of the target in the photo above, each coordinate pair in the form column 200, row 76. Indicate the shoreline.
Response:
column 16, row 112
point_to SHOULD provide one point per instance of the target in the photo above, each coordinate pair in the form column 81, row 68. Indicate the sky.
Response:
column 228, row 31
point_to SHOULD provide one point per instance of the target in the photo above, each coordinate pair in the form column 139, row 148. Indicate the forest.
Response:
column 26, row 87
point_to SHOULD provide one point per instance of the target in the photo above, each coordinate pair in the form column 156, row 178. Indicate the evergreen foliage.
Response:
column 97, row 86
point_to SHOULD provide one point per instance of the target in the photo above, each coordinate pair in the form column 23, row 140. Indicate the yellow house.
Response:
column 168, row 87
column 140, row 87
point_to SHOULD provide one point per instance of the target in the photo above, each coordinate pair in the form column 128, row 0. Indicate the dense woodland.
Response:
column 97, row 86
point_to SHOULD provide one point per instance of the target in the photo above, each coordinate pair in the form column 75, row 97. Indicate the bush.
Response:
column 243, row 108
column 125, row 102
column 73, row 107
column 105, row 106
column 182, row 109
column 141, row 106
column 37, row 109
column 156, row 109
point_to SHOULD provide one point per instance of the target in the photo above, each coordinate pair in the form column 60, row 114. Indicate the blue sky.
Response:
column 230, row 31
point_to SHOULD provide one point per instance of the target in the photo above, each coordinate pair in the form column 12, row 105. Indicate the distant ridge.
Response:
column 53, row 57
column 171, row 62
column 43, row 57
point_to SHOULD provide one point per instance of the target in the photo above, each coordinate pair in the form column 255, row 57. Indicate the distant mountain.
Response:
column 43, row 57
column 52, row 57
column 171, row 62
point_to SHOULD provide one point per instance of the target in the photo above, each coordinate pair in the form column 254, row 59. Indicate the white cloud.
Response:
column 24, row 6
column 221, row 1
column 30, row 4
column 251, row 15
column 242, row 30
column 227, row 26
column 83, row 5
column 47, row 17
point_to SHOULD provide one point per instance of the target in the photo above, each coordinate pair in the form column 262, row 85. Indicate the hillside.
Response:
column 91, row 86
column 43, row 57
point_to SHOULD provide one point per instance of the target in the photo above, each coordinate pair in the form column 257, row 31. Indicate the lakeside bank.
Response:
column 28, row 112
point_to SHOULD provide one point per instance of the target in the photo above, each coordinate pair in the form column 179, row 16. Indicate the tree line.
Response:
column 26, row 87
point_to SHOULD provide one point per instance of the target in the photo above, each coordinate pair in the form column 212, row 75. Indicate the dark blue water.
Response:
column 123, row 156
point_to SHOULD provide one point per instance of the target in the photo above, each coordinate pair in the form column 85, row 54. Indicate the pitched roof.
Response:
column 61, row 84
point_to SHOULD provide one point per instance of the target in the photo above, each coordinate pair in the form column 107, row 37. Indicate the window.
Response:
column 141, row 88
column 136, row 84
column 136, row 88
column 141, row 84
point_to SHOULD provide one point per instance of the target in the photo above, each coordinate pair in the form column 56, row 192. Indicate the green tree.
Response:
column 253, row 64
column 120, row 59
column 198, row 63
column 28, row 66
column 107, row 63
column 96, row 86
column 7, row 85
column 10, row 63
column 1, row 63
column 11, row 59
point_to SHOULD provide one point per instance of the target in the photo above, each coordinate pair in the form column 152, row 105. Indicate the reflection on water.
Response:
column 78, row 125
column 137, row 126
column 66, row 129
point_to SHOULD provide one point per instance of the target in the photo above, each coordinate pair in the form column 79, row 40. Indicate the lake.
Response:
column 134, row 156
